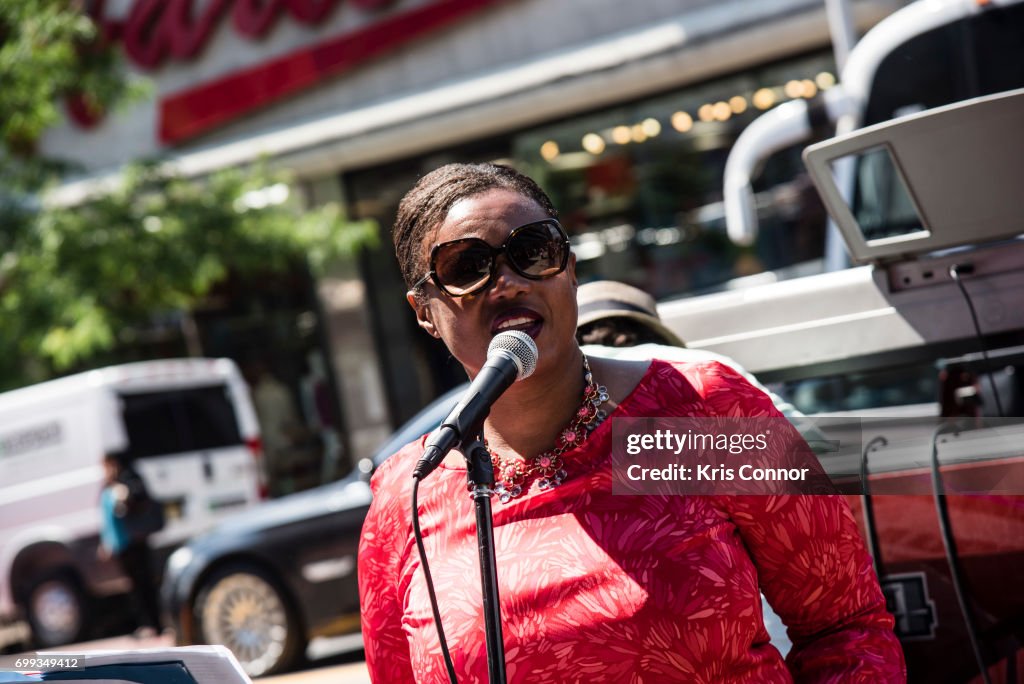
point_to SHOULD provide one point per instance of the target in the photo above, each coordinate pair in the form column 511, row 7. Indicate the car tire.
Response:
column 55, row 608
column 245, row 609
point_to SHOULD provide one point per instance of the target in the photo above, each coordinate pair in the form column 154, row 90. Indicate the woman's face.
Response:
column 544, row 309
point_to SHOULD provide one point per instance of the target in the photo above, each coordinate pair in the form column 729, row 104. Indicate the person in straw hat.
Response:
column 620, row 321
column 615, row 314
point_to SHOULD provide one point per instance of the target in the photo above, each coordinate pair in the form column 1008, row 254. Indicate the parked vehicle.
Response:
column 266, row 582
column 931, row 326
column 187, row 427
column 929, row 323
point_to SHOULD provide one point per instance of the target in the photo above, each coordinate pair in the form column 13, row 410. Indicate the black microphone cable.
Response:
column 430, row 582
column 952, row 557
column 874, row 548
column 954, row 272
column 511, row 356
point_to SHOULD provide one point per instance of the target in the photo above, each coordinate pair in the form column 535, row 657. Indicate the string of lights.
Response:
column 595, row 143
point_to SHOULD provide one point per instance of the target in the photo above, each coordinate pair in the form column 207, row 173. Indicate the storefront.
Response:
column 624, row 113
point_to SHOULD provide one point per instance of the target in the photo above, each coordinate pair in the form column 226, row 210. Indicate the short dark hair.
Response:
column 427, row 204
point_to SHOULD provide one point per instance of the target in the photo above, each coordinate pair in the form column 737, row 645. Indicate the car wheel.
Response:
column 243, row 608
column 55, row 609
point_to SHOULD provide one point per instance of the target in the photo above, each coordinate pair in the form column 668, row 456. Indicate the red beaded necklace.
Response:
column 513, row 476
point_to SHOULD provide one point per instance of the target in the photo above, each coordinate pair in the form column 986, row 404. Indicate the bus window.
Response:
column 980, row 55
column 924, row 388
column 883, row 206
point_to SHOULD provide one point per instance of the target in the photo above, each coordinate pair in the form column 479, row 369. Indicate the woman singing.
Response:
column 594, row 587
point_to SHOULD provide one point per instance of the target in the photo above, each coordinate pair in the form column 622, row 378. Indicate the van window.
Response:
column 176, row 421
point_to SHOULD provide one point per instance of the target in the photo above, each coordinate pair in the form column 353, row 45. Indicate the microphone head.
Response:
column 519, row 347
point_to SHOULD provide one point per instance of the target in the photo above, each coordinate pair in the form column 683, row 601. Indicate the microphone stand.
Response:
column 480, row 472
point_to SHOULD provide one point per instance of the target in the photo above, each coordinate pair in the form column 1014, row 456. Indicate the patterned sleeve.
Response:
column 812, row 566
column 816, row 574
column 381, row 546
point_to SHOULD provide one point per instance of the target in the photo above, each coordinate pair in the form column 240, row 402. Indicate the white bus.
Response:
column 923, row 187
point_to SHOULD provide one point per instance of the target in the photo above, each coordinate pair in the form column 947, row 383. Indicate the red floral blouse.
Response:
column 602, row 588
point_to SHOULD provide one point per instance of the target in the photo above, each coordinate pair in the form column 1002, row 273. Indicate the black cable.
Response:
column 954, row 273
column 952, row 558
column 430, row 583
column 874, row 548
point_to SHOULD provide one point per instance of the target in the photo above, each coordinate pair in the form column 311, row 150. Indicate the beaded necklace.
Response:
column 512, row 476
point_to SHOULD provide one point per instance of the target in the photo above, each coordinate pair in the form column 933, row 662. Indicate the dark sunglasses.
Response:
column 463, row 267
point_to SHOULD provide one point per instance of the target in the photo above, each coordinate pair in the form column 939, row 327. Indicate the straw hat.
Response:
column 610, row 299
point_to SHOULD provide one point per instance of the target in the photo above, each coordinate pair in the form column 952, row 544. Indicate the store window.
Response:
column 640, row 186
column 271, row 325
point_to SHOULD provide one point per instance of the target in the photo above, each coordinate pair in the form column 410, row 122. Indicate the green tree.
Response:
column 75, row 279
column 49, row 51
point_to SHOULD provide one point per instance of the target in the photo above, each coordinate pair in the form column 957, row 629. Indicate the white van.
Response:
column 187, row 426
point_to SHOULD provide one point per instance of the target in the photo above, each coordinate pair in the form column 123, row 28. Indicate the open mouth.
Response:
column 522, row 319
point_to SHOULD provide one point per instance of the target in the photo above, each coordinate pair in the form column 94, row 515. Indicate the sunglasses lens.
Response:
column 538, row 250
column 463, row 266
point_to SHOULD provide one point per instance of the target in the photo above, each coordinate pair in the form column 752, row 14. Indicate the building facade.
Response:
column 624, row 112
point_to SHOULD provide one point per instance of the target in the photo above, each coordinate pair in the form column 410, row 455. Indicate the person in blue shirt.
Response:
column 128, row 516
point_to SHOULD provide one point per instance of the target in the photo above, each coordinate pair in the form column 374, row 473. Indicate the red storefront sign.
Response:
column 156, row 31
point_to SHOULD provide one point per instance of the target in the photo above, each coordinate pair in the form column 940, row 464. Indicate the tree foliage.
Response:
column 49, row 51
column 83, row 275
column 74, row 279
